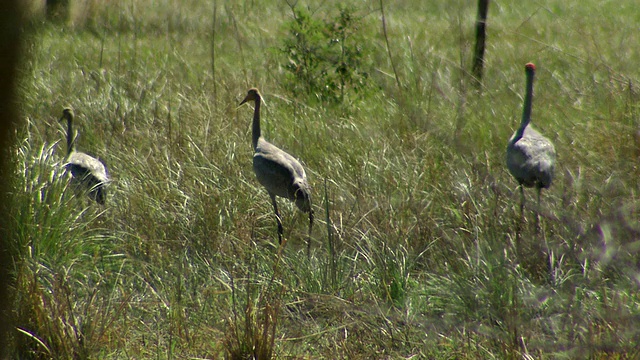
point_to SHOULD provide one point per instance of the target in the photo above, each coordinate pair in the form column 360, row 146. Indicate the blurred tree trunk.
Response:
column 481, row 34
column 57, row 10
column 10, row 51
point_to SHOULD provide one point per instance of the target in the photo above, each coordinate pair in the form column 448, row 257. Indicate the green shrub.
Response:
column 325, row 59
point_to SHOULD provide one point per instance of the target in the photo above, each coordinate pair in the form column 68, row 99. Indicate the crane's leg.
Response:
column 521, row 220
column 538, row 211
column 521, row 202
column 275, row 209
column 309, row 236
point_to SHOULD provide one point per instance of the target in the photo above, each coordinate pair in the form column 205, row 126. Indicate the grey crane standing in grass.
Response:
column 280, row 173
column 87, row 170
column 531, row 157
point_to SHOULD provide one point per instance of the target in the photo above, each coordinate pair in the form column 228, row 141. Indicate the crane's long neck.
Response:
column 69, row 135
column 528, row 100
column 256, row 123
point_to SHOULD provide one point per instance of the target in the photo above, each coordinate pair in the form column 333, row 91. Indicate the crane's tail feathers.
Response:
column 99, row 194
column 302, row 198
column 304, row 205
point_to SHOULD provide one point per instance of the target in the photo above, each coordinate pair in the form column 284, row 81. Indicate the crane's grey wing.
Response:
column 278, row 171
column 91, row 172
column 531, row 159
column 281, row 156
column 82, row 164
column 275, row 175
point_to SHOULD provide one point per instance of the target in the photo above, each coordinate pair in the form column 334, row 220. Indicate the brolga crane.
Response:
column 531, row 157
column 85, row 169
column 280, row 173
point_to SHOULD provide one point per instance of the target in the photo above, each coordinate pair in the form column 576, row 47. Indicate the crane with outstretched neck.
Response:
column 531, row 157
column 85, row 169
column 278, row 172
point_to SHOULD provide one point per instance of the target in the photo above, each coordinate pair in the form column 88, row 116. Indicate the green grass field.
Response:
column 414, row 248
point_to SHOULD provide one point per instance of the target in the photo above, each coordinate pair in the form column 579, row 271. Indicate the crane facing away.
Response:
column 531, row 157
column 87, row 170
column 280, row 173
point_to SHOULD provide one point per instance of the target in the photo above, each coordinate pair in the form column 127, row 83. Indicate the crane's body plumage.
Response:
column 280, row 173
column 531, row 157
column 85, row 169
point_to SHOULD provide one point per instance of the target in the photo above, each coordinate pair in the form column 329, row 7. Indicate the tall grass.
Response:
column 415, row 253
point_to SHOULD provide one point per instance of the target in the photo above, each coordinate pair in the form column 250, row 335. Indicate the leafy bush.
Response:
column 325, row 59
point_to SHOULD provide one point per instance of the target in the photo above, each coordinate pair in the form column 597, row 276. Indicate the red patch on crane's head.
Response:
column 530, row 67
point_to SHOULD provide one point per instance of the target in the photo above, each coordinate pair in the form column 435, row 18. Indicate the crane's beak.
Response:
column 241, row 103
column 264, row 103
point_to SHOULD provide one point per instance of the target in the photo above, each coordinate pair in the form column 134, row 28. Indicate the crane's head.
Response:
column 67, row 114
column 252, row 95
column 530, row 68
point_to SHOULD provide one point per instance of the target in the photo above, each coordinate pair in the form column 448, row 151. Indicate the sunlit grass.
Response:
column 413, row 252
